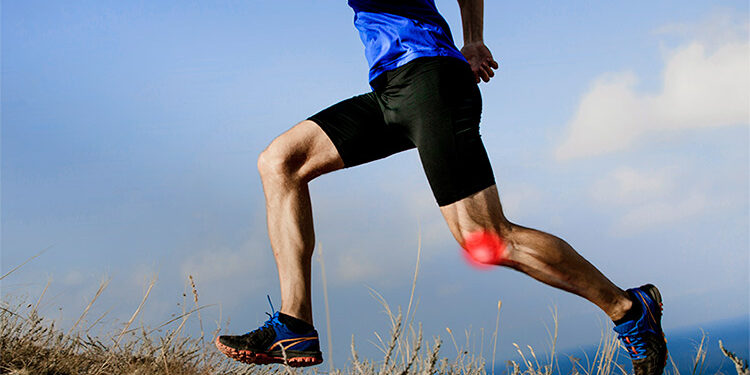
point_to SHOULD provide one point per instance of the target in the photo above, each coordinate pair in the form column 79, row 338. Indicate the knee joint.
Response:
column 276, row 163
column 486, row 247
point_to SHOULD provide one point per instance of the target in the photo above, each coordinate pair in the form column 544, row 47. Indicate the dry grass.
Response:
column 31, row 344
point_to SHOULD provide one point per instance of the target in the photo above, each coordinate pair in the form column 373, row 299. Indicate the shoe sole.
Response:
column 250, row 357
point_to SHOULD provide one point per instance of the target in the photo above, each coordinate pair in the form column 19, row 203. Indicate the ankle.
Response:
column 633, row 313
column 621, row 307
column 295, row 324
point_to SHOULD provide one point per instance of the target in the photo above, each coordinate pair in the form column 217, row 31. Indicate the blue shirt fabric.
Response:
column 395, row 32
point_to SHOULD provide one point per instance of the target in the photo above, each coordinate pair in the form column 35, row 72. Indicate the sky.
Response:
column 130, row 133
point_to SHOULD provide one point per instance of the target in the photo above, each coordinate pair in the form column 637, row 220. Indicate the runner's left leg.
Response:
column 540, row 255
column 549, row 259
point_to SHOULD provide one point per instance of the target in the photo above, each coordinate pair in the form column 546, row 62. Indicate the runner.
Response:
column 424, row 95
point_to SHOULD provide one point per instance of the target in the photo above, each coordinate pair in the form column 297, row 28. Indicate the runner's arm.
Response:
column 474, row 49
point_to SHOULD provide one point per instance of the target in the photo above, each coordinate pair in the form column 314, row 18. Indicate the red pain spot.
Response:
column 484, row 248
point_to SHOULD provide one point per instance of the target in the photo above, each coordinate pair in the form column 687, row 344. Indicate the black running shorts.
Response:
column 431, row 103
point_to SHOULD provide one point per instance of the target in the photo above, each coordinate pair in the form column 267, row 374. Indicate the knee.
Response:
column 487, row 247
column 276, row 162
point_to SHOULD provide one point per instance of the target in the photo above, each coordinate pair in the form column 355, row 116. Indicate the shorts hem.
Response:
column 467, row 192
column 325, row 126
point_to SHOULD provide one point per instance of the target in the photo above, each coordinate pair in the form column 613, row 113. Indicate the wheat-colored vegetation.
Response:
column 31, row 344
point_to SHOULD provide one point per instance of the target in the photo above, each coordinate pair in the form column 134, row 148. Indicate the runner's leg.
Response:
column 346, row 134
column 286, row 166
column 440, row 105
column 540, row 255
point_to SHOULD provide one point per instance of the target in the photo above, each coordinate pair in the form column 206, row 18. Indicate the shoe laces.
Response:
column 271, row 322
column 636, row 343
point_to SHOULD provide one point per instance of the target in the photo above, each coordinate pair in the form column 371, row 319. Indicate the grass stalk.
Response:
column 200, row 320
column 416, row 272
column 24, row 262
column 494, row 336
column 328, row 310
column 102, row 286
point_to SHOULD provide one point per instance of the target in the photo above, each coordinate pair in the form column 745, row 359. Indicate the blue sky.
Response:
column 130, row 132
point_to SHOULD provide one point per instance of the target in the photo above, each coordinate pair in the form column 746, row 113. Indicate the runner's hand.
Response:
column 481, row 61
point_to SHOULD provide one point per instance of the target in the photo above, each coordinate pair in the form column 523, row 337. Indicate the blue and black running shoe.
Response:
column 273, row 342
column 643, row 337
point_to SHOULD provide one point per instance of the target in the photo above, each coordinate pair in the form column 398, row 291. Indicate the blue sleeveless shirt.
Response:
column 395, row 32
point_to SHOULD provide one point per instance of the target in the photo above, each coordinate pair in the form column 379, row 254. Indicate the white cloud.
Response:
column 354, row 267
column 639, row 199
column 627, row 185
column 705, row 83
column 248, row 264
column 657, row 213
column 520, row 199
column 644, row 198
column 73, row 278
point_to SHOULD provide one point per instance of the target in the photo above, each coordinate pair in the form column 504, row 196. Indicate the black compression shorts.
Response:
column 431, row 103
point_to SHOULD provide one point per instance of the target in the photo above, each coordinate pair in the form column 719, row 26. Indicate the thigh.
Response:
column 357, row 129
column 439, row 106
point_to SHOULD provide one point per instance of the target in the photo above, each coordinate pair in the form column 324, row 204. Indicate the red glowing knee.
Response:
column 485, row 248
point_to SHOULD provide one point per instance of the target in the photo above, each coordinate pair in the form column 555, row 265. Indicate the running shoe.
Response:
column 273, row 342
column 643, row 338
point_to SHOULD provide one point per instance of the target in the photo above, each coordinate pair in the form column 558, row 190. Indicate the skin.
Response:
column 304, row 152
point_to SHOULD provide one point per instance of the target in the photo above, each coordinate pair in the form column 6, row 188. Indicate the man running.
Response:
column 425, row 95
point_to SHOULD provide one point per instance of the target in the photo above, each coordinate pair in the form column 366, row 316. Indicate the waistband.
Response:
column 416, row 66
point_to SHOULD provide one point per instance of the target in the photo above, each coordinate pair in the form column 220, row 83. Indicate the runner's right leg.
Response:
column 346, row 134
column 286, row 166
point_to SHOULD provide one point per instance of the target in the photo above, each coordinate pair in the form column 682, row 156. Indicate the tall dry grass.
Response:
column 32, row 344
